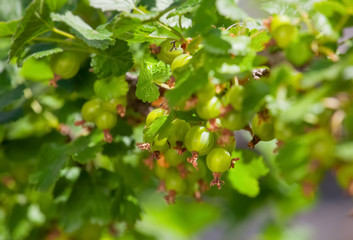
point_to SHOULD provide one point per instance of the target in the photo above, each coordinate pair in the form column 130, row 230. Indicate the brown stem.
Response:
column 232, row 162
column 248, row 128
column 53, row 82
column 255, row 140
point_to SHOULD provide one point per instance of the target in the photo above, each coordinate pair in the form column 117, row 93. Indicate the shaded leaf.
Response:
column 12, row 115
column 116, row 60
column 7, row 29
column 52, row 158
column 9, row 96
column 84, row 149
column 35, row 22
column 55, row 5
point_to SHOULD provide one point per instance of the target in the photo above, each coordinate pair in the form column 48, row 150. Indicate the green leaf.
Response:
column 55, row 5
column 116, row 60
column 329, row 8
column 45, row 53
column 244, row 176
column 97, row 38
column 113, row 5
column 181, row 92
column 215, row 44
column 108, row 89
column 151, row 131
column 322, row 70
column 186, row 7
column 35, row 22
column 204, row 18
column 9, row 96
column 36, row 70
column 254, row 94
column 131, row 27
column 259, row 40
column 8, row 29
column 52, row 158
column 297, row 111
column 87, row 202
column 293, row 157
column 188, row 116
column 151, row 73
column 344, row 151
column 84, row 149
column 230, row 9
column 12, row 115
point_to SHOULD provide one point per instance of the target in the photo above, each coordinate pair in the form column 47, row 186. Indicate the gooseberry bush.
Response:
column 104, row 102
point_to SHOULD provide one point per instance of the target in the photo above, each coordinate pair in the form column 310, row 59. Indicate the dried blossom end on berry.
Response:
column 143, row 146
column 108, row 137
column 193, row 160
column 170, row 198
column 216, row 180
column 121, row 110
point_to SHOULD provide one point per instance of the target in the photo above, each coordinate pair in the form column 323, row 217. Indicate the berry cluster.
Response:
column 103, row 114
column 185, row 149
